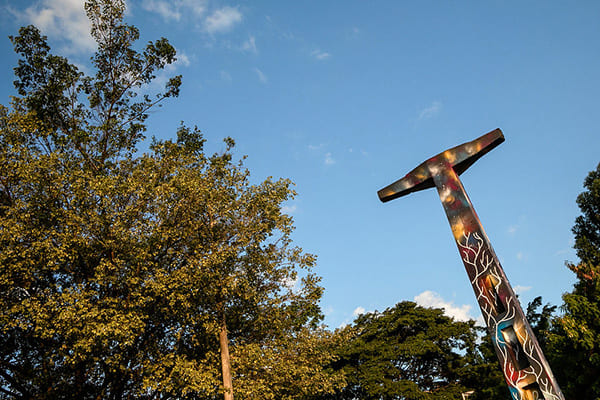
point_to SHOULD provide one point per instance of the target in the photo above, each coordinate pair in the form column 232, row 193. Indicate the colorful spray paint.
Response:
column 525, row 368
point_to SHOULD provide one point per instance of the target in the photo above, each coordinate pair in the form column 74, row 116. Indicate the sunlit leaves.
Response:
column 119, row 269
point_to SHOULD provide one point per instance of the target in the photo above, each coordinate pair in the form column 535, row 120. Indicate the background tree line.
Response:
column 168, row 274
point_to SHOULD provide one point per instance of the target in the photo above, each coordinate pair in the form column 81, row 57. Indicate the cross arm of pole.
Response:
column 459, row 158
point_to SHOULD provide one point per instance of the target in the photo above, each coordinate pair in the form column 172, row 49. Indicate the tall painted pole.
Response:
column 525, row 368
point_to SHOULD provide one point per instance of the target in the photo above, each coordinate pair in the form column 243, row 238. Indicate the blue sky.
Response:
column 346, row 97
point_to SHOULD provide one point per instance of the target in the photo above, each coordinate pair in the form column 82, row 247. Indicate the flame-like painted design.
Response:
column 525, row 368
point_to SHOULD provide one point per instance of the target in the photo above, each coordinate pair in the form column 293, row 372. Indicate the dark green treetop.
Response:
column 412, row 352
column 575, row 337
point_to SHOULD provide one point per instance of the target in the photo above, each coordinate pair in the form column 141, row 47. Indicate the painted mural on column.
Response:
column 525, row 368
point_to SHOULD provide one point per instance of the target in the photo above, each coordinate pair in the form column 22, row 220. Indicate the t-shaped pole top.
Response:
column 459, row 158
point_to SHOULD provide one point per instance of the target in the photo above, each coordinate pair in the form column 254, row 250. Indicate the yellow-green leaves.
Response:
column 123, row 277
column 119, row 269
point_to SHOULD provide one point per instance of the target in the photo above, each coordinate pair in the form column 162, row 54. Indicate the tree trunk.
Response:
column 225, row 361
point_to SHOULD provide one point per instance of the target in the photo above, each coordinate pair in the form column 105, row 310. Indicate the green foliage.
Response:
column 540, row 321
column 290, row 367
column 116, row 269
column 587, row 225
column 100, row 116
column 411, row 352
column 575, row 337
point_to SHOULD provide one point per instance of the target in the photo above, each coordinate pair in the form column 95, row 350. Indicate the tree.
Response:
column 575, row 336
column 540, row 321
column 587, row 225
column 129, row 275
column 411, row 352
column 296, row 366
column 96, row 117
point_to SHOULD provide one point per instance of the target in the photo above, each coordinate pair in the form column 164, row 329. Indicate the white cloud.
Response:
column 313, row 147
column 182, row 59
column 321, row 150
column 520, row 255
column 62, row 20
column 250, row 45
column 432, row 299
column 320, row 55
column 431, row 111
column 167, row 10
column 173, row 10
column 198, row 7
column 222, row 20
column 329, row 159
column 513, row 229
column 519, row 289
column 261, row 77
column 358, row 311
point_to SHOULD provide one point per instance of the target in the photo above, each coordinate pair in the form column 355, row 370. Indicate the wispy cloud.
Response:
column 225, row 76
column 431, row 111
column 563, row 251
column 182, row 59
column 167, row 10
column 321, row 150
column 320, row 55
column 329, row 159
column 197, row 7
column 513, row 229
column 261, row 76
column 222, row 20
column 61, row 20
column 432, row 299
column 175, row 9
column 250, row 45
column 289, row 209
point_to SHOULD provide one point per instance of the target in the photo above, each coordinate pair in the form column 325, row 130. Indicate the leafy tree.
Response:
column 296, row 366
column 587, row 225
column 540, row 321
column 411, row 352
column 575, row 337
column 97, row 117
column 127, row 275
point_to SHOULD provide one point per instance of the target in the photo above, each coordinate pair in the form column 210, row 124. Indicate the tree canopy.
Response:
column 411, row 352
column 130, row 274
column 575, row 335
